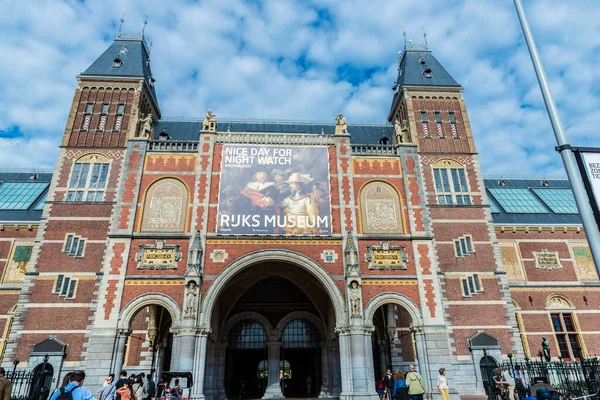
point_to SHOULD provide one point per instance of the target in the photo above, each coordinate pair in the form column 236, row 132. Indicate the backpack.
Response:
column 66, row 395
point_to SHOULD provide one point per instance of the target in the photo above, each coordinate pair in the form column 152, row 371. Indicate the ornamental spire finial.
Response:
column 121, row 24
column 424, row 35
column 145, row 22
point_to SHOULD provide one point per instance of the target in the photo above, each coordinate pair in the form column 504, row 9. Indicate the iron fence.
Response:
column 30, row 385
column 569, row 378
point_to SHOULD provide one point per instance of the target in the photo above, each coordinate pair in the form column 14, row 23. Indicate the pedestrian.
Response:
column 415, row 385
column 120, row 383
column 150, row 388
column 176, row 391
column 66, row 379
column 308, row 384
column 400, row 389
column 126, row 391
column 5, row 386
column 162, row 385
column 74, row 389
column 379, row 384
column 108, row 390
column 388, row 384
column 442, row 384
column 138, row 387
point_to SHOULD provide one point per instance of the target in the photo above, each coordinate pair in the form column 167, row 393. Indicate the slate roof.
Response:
column 135, row 62
column 549, row 218
column 31, row 214
column 189, row 129
column 411, row 72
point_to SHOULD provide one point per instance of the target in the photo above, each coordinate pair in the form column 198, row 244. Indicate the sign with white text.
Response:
column 274, row 190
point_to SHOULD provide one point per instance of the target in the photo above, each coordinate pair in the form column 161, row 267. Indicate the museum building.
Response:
column 267, row 251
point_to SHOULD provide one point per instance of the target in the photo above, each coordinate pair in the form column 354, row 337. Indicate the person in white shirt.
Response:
column 442, row 384
column 511, row 384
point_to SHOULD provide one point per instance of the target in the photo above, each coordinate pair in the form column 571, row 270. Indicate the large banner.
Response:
column 274, row 190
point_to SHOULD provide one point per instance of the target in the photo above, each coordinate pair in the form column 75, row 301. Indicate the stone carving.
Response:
column 158, row 256
column 340, row 124
column 546, row 259
column 219, row 256
column 165, row 207
column 146, row 127
column 512, row 263
column 329, row 256
column 210, row 122
column 558, row 303
column 351, row 257
column 546, row 348
column 191, row 297
column 195, row 256
column 380, row 209
column 584, row 263
column 354, row 294
column 386, row 256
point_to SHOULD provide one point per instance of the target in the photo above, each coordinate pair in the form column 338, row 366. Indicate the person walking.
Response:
column 138, row 388
column 388, row 384
column 415, row 385
column 5, row 386
column 400, row 389
column 108, row 391
column 150, row 388
column 120, row 383
column 442, row 384
column 74, row 390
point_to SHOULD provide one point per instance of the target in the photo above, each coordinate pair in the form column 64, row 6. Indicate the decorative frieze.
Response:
column 329, row 256
column 547, row 260
column 158, row 256
column 385, row 256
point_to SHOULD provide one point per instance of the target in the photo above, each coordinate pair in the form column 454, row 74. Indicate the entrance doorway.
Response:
column 300, row 355
column 246, row 360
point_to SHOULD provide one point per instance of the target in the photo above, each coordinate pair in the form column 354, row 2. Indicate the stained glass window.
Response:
column 20, row 196
column 247, row 335
column 518, row 201
column 300, row 333
column 560, row 201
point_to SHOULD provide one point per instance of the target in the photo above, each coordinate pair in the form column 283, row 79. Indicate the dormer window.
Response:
column 117, row 62
column 421, row 60
column 152, row 80
column 427, row 73
column 123, row 50
column 384, row 140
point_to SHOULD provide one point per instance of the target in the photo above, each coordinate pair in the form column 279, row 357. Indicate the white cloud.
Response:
column 281, row 60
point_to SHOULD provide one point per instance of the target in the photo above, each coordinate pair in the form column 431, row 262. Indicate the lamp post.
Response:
column 563, row 147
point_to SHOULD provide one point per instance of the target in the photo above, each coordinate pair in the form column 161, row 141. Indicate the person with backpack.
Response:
column 414, row 383
column 400, row 389
column 74, row 390
column 108, row 391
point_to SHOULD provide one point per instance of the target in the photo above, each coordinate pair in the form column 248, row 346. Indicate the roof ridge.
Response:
column 270, row 120
column 28, row 170
column 527, row 177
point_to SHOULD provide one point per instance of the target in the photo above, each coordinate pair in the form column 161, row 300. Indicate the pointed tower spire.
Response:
column 121, row 24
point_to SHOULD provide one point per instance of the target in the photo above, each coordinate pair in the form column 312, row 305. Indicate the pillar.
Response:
column 345, row 363
column 210, row 371
column 221, row 353
column 382, row 358
column 123, row 335
column 336, row 375
column 199, row 357
column 185, row 338
column 325, row 371
column 363, row 385
column 273, row 387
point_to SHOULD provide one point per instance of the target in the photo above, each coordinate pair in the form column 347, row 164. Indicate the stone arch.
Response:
column 126, row 315
column 165, row 206
column 380, row 208
column 394, row 298
column 248, row 315
column 257, row 257
column 558, row 302
column 310, row 317
column 515, row 305
column 447, row 163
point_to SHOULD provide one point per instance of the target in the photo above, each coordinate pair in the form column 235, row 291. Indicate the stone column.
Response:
column 123, row 335
column 210, row 371
column 363, row 386
column 336, row 376
column 199, row 358
column 175, row 352
column 185, row 349
column 325, row 371
column 345, row 363
column 273, row 386
column 382, row 358
column 221, row 353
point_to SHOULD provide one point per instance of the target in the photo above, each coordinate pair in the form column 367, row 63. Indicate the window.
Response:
column 427, row 73
column 438, row 118
column 452, row 119
column 103, row 116
column 87, row 116
column 119, row 119
column 424, row 122
column 20, row 195
column 560, row 201
column 566, row 335
column 74, row 245
column 438, row 124
column 451, row 183
column 88, row 179
column 247, row 334
column 299, row 334
column 463, row 246
column 517, row 201
column 117, row 62
column 471, row 285
column 65, row 286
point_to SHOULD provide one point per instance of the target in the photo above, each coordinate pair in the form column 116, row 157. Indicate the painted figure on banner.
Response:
column 300, row 206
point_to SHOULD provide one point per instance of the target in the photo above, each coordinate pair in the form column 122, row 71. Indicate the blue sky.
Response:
column 310, row 60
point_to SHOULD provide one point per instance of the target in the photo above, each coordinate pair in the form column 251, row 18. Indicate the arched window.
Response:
column 565, row 327
column 246, row 334
column 451, row 182
column 300, row 333
column 380, row 208
column 89, row 178
column 165, row 206
column 7, row 326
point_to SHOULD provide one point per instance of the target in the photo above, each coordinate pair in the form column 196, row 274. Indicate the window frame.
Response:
column 471, row 285
column 78, row 191
column 452, row 193
column 565, row 335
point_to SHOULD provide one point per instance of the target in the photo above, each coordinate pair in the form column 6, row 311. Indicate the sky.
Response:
column 310, row 59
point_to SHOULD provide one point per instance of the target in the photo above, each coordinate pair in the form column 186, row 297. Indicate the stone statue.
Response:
column 190, row 301
column 340, row 125
column 355, row 298
column 546, row 348
column 146, row 126
column 398, row 132
column 210, row 116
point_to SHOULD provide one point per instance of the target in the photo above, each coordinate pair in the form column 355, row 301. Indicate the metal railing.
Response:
column 173, row 145
column 31, row 385
column 569, row 378
column 375, row 149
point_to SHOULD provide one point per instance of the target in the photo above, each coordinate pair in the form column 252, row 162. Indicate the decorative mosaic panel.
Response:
column 584, row 263
column 165, row 207
column 17, row 263
column 380, row 209
column 546, row 259
column 512, row 262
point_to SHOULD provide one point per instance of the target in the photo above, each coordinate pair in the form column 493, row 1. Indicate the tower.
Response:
column 429, row 111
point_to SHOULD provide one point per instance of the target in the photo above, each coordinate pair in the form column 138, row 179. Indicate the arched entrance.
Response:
column 286, row 317
column 41, row 381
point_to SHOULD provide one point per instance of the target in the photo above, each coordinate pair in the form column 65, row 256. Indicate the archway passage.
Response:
column 273, row 326
column 393, row 340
